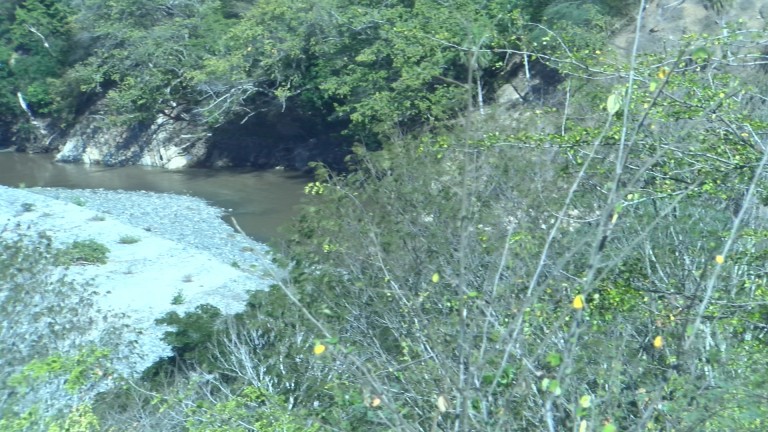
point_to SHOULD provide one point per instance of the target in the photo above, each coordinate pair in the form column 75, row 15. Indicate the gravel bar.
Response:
column 184, row 219
column 184, row 248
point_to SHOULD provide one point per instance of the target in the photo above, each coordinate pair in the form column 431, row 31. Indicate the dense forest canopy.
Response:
column 588, row 258
column 383, row 67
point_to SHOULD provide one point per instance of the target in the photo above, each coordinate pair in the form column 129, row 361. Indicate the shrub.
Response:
column 78, row 201
column 28, row 207
column 83, row 252
column 129, row 239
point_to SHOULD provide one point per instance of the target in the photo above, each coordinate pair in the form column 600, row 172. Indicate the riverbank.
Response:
column 262, row 201
column 181, row 253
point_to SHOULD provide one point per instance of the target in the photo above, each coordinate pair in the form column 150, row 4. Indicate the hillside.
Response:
column 588, row 253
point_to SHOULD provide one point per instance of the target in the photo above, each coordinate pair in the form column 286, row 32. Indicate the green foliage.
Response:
column 83, row 252
column 79, row 370
column 129, row 239
column 51, row 355
column 382, row 67
column 387, row 68
column 595, row 265
column 80, row 202
column 442, row 276
column 36, row 49
column 192, row 333
column 178, row 297
column 165, row 43
column 251, row 409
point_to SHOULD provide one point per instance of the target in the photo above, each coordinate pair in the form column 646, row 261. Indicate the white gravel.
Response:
column 184, row 248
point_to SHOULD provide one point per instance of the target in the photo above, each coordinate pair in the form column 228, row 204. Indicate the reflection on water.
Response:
column 261, row 201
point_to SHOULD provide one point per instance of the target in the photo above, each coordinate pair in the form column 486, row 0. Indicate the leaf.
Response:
column 554, row 359
column 700, row 55
column 658, row 342
column 583, row 426
column 654, row 84
column 552, row 386
column 435, row 278
column 585, row 401
column 613, row 103
column 578, row 302
column 609, row 428
column 319, row 349
column 719, row 259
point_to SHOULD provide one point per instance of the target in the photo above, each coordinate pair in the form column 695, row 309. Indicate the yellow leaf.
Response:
column 663, row 73
column 319, row 349
column 435, row 278
column 375, row 401
column 585, row 401
column 719, row 259
column 578, row 302
column 583, row 426
column 658, row 342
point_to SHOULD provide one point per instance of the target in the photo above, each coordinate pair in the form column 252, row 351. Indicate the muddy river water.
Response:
column 260, row 201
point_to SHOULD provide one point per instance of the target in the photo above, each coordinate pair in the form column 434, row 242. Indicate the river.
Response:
column 260, row 201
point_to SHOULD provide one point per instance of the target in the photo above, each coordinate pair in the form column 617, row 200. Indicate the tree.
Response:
column 143, row 53
column 612, row 288
column 35, row 48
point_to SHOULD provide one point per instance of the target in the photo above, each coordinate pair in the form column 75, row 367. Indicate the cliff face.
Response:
column 665, row 22
column 169, row 141
column 174, row 142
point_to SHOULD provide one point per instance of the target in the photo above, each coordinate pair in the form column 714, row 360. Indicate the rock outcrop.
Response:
column 170, row 141
column 665, row 22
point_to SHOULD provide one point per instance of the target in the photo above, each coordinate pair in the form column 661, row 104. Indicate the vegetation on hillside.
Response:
column 595, row 263
column 382, row 68
column 53, row 363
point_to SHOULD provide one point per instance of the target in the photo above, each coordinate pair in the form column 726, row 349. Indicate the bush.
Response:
column 83, row 252
column 129, row 239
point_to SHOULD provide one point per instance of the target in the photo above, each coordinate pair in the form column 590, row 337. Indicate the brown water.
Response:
column 260, row 201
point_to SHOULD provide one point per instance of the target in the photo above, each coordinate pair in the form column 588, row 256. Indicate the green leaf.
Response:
column 700, row 55
column 554, row 359
column 613, row 103
column 585, row 401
